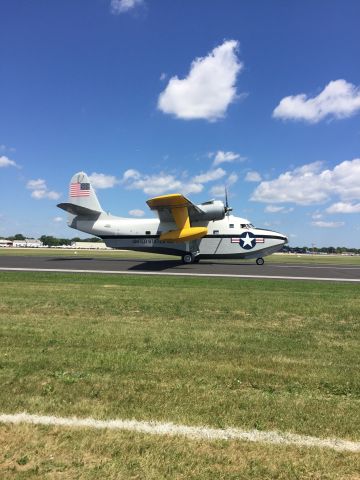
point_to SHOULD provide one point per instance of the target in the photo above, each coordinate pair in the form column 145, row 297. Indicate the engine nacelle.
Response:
column 214, row 210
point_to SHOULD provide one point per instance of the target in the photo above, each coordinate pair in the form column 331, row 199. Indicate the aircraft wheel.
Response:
column 197, row 259
column 259, row 261
column 188, row 258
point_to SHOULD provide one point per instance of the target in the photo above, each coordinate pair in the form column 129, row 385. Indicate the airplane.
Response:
column 194, row 232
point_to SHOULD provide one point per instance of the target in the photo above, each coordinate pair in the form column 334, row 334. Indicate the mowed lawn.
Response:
column 270, row 355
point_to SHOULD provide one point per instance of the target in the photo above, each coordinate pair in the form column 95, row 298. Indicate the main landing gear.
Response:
column 188, row 258
column 259, row 261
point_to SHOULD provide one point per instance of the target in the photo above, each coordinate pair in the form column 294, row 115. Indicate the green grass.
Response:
column 271, row 355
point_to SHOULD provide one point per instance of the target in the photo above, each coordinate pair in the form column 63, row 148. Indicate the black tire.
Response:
column 259, row 261
column 188, row 258
column 197, row 259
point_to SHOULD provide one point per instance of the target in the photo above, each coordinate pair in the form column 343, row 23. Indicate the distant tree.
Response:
column 50, row 241
column 89, row 239
column 93, row 239
column 18, row 236
column 64, row 241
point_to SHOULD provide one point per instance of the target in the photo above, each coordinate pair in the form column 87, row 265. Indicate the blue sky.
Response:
column 157, row 96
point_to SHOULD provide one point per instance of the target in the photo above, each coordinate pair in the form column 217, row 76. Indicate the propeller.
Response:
column 227, row 208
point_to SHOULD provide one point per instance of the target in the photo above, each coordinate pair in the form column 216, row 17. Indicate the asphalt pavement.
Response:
column 216, row 268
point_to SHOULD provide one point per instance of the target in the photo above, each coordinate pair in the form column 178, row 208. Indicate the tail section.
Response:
column 82, row 199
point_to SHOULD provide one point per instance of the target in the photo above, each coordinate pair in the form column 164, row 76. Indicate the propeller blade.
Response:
column 227, row 208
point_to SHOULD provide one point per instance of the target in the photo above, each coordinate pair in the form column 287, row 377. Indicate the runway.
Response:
column 206, row 268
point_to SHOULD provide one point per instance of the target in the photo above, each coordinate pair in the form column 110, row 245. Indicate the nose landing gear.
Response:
column 259, row 261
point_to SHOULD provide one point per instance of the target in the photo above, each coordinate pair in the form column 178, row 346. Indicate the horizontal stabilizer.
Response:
column 78, row 210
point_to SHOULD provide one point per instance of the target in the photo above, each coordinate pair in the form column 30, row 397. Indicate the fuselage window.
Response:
column 148, row 232
column 215, row 232
column 231, row 225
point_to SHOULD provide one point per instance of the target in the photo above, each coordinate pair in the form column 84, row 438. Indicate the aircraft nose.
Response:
column 281, row 237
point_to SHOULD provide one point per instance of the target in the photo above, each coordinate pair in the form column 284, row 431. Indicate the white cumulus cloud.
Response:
column 210, row 176
column 40, row 191
column 222, row 157
column 253, row 177
column 58, row 219
column 344, row 207
column 323, row 224
column 6, row 162
column 219, row 190
column 123, row 6
column 100, row 180
column 277, row 209
column 311, row 184
column 339, row 99
column 232, row 178
column 136, row 212
column 208, row 89
column 157, row 184
column 38, row 184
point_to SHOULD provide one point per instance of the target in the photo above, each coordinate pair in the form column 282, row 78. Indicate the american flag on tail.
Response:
column 79, row 189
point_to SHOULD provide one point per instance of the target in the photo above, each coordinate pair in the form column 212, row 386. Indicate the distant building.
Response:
column 90, row 245
column 27, row 243
column 5, row 243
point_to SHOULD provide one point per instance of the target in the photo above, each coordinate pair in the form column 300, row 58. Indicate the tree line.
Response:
column 323, row 250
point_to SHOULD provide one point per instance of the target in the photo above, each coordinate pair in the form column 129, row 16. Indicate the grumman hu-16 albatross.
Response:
column 191, row 231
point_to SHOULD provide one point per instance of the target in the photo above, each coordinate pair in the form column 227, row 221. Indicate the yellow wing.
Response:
column 178, row 206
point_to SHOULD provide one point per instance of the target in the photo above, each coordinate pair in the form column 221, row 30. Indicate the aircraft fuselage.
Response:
column 231, row 237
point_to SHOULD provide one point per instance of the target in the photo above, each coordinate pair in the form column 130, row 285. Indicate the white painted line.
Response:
column 179, row 274
column 201, row 433
column 329, row 267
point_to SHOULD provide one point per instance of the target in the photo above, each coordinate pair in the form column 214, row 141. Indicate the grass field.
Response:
column 277, row 258
column 270, row 355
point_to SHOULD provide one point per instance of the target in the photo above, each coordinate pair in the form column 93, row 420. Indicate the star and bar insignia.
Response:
column 247, row 240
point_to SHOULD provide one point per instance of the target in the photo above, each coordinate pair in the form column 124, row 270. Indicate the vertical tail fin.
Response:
column 81, row 193
column 82, row 199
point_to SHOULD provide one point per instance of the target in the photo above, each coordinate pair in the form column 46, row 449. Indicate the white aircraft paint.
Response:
column 192, row 432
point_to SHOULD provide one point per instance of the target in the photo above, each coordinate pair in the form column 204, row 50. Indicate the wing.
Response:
column 178, row 209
